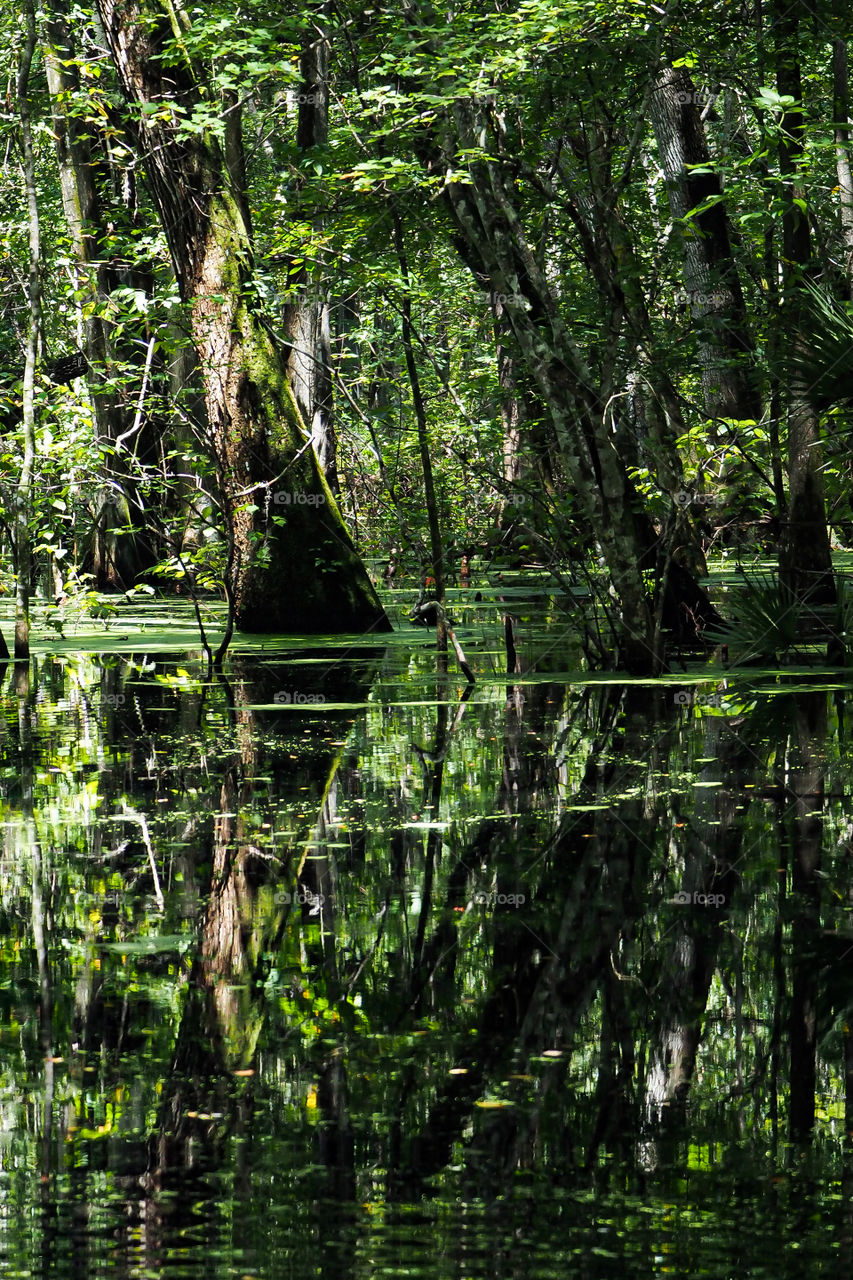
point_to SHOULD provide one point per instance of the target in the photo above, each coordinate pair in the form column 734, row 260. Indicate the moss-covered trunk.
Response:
column 292, row 564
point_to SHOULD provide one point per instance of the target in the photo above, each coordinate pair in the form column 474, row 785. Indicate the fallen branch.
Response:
column 432, row 611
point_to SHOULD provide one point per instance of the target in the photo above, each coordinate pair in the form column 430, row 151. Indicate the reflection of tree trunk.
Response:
column 805, row 782
column 845, row 1252
column 225, row 1007
column 226, row 933
column 713, row 843
column 335, row 1136
column 40, row 928
column 617, row 1062
column 779, row 996
column 433, row 779
column 542, row 976
column 689, row 971
column 337, row 1148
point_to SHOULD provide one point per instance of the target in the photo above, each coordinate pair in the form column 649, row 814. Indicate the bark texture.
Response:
column 306, row 320
column 711, row 284
column 292, row 564
column 497, row 249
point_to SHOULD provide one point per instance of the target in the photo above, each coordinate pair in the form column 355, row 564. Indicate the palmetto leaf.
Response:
column 821, row 364
column 765, row 619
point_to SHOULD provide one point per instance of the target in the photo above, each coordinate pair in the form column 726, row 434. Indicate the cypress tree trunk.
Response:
column 294, row 566
column 711, row 281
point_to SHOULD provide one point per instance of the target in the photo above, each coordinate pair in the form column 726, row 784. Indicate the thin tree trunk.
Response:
column 841, row 122
column 527, row 446
column 23, row 554
column 306, row 320
column 806, row 783
column 436, row 543
column 118, row 554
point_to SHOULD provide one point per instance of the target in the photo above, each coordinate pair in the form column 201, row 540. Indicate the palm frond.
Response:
column 820, row 366
column 765, row 620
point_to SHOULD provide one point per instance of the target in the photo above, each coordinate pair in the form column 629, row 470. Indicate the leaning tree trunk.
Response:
column 494, row 243
column 711, row 282
column 292, row 565
column 491, row 230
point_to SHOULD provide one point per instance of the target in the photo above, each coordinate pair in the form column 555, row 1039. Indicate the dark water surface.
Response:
column 324, row 971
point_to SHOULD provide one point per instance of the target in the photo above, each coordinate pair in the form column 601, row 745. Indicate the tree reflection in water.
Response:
column 548, row 976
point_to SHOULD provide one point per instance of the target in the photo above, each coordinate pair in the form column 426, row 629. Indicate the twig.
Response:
column 132, row 816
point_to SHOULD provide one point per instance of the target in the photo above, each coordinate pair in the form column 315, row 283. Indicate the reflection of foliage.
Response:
column 494, row 1009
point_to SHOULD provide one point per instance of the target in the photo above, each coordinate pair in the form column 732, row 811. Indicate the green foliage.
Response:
column 766, row 619
column 821, row 362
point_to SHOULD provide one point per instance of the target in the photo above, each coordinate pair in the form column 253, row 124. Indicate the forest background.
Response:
column 287, row 292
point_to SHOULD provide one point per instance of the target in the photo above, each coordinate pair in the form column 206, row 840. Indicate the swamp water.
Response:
column 322, row 970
